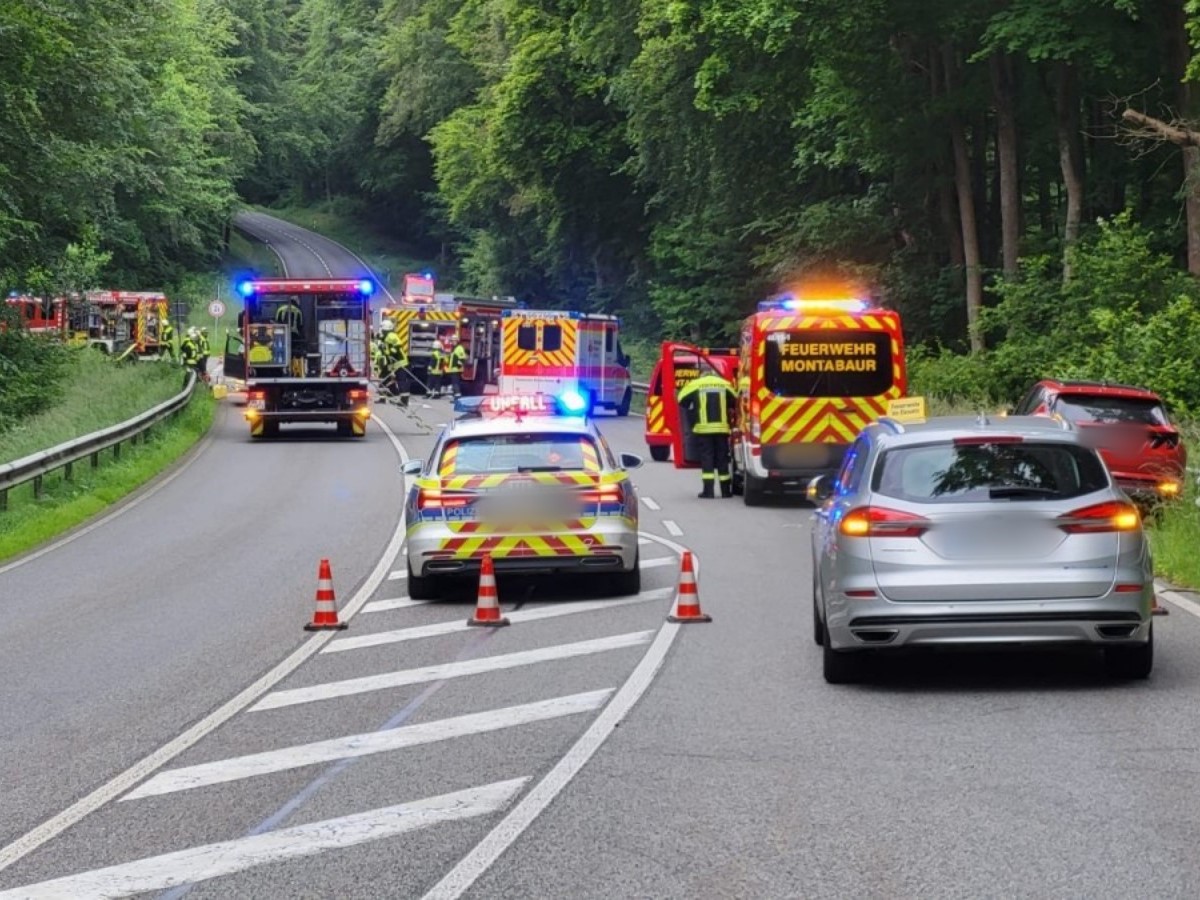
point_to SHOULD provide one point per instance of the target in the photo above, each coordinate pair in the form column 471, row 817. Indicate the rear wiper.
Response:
column 524, row 469
column 1000, row 491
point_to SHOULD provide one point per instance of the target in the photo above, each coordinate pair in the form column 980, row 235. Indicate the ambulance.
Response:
column 549, row 352
column 812, row 372
column 678, row 363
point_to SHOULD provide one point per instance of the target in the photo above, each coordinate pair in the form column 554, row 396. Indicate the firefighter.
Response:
column 291, row 315
column 455, row 360
column 166, row 336
column 205, row 346
column 396, row 361
column 189, row 352
column 707, row 402
column 436, row 363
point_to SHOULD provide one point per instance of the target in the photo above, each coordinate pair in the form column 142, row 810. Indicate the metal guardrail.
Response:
column 35, row 466
column 639, row 388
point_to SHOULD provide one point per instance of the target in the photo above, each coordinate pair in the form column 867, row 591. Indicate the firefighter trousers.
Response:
column 714, row 459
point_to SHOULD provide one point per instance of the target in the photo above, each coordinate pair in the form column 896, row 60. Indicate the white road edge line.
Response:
column 672, row 527
column 500, row 838
column 236, row 768
column 395, row 603
column 656, row 563
column 477, row 666
column 650, row 504
column 438, row 629
column 1165, row 593
column 56, row 825
column 156, row 873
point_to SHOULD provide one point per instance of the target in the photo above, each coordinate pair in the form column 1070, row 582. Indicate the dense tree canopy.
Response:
column 668, row 159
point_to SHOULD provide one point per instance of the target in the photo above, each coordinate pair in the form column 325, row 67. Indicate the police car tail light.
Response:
column 1099, row 518
column 435, row 498
column 879, row 521
column 605, row 493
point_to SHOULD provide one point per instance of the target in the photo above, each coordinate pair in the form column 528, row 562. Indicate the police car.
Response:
column 528, row 480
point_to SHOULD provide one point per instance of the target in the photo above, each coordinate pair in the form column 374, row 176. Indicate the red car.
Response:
column 1128, row 425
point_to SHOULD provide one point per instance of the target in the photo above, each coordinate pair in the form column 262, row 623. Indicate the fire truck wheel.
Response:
column 660, row 454
column 626, row 402
column 421, row 587
column 753, row 490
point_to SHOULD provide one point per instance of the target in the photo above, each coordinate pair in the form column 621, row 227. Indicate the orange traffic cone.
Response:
column 487, row 607
column 687, row 598
column 326, row 617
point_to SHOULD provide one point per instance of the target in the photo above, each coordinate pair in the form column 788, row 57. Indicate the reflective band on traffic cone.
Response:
column 487, row 607
column 687, row 597
column 326, row 617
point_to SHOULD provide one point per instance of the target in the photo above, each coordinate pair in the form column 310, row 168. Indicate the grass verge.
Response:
column 97, row 393
column 65, row 504
column 1174, row 538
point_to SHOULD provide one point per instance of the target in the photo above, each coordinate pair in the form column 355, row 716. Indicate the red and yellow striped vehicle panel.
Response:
column 515, row 358
column 656, row 416
column 827, row 420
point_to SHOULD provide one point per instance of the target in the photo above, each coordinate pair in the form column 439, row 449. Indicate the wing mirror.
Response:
column 412, row 467
column 631, row 461
column 819, row 489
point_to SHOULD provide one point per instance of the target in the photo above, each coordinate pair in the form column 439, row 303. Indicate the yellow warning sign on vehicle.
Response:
column 907, row 409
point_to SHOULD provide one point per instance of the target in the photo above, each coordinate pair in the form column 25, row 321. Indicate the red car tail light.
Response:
column 879, row 521
column 605, row 493
column 435, row 498
column 1100, row 518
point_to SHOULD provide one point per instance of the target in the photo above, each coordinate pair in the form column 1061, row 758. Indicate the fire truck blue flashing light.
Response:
column 245, row 288
column 366, row 287
column 792, row 303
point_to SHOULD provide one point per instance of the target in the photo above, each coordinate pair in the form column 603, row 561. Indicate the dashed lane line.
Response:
column 238, row 767
column 112, row 789
column 437, row 629
column 156, row 873
column 477, row 666
column 672, row 528
column 650, row 504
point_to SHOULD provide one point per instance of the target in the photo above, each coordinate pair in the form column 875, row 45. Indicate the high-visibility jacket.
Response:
column 708, row 400
column 205, row 347
column 291, row 314
column 189, row 351
column 166, row 331
column 456, row 359
column 393, row 349
column 437, row 361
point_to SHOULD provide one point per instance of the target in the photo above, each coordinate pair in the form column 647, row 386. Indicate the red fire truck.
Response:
column 38, row 315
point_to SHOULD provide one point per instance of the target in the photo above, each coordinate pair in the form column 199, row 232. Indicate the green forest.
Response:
column 1018, row 177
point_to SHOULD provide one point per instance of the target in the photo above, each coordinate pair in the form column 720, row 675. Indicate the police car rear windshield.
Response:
column 946, row 473
column 828, row 363
column 519, row 453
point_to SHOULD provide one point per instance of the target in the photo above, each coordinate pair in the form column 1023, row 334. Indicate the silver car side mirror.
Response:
column 412, row 467
column 631, row 461
column 819, row 489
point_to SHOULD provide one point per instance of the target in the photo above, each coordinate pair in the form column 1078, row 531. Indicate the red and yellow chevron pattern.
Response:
column 513, row 355
column 656, row 416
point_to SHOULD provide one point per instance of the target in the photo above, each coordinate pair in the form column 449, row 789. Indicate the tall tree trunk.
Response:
column 943, row 167
column 1188, row 101
column 1004, row 89
column 1070, row 155
column 966, row 209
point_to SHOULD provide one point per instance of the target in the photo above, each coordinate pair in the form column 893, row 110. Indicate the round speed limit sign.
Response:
column 216, row 309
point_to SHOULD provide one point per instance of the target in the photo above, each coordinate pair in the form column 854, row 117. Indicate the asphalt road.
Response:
column 463, row 763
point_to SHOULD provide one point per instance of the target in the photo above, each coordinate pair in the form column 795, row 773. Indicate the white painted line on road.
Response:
column 56, row 825
column 397, row 603
column 438, row 629
column 1173, row 597
column 656, row 563
column 459, row 879
column 425, row 674
column 650, row 504
column 397, row 575
column 372, row 742
column 672, row 528
column 643, row 541
column 157, row 873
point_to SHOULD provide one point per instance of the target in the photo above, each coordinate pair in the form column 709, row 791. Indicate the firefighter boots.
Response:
column 726, row 489
column 707, row 493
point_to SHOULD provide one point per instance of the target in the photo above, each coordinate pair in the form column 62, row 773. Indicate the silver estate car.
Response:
column 977, row 532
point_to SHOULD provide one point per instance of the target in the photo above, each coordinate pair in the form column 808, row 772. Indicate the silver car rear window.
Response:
column 949, row 473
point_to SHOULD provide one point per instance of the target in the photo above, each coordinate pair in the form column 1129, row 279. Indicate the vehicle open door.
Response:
column 235, row 356
column 680, row 363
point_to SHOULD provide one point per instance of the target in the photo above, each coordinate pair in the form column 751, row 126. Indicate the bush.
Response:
column 32, row 368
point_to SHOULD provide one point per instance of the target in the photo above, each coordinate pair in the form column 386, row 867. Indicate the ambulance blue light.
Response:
column 366, row 286
column 245, row 288
column 573, row 402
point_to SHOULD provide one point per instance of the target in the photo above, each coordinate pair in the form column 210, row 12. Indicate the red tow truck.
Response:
column 678, row 363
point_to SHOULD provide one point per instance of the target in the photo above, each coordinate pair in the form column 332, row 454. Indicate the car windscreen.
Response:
column 828, row 362
column 949, row 473
column 1111, row 410
column 513, row 453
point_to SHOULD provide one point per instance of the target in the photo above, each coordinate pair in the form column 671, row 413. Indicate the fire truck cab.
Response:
column 549, row 352
column 39, row 315
column 678, row 363
column 812, row 372
column 303, row 349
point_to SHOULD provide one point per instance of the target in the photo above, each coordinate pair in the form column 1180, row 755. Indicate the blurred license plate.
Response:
column 523, row 505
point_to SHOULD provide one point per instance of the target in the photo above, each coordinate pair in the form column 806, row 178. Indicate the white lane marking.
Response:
column 120, row 511
column 643, row 541
column 397, row 575
column 238, row 767
column 156, row 873
column 671, row 527
column 650, row 504
column 1165, row 593
column 425, row 674
column 486, row 852
column 656, row 563
column 397, row 603
column 438, row 629
column 56, row 825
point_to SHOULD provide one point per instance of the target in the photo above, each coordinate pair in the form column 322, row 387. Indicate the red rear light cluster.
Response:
column 604, row 493
column 879, row 521
column 358, row 395
column 1113, row 515
column 436, row 498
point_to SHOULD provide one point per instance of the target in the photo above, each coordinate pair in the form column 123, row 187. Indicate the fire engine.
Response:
column 121, row 322
column 310, row 367
column 549, row 352
column 679, row 363
column 38, row 315
column 812, row 372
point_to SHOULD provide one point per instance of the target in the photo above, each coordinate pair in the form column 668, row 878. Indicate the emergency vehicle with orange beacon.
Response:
column 812, row 372
column 528, row 480
column 550, row 352
column 678, row 363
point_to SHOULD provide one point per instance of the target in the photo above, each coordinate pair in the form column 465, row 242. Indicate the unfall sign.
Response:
column 829, row 363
